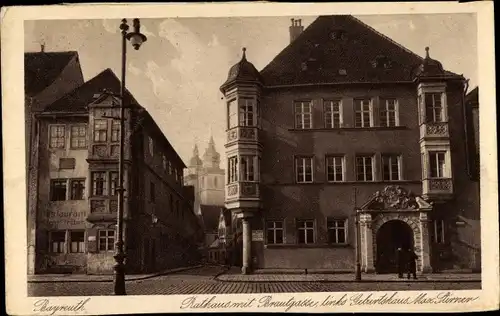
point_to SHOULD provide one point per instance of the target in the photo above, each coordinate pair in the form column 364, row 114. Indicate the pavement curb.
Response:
column 217, row 278
column 131, row 278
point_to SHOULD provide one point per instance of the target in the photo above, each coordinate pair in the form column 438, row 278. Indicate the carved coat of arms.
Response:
column 396, row 197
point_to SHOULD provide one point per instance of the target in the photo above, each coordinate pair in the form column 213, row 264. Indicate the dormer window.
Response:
column 382, row 61
column 338, row 35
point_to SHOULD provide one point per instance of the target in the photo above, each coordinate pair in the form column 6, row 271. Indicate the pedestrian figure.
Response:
column 412, row 264
column 400, row 261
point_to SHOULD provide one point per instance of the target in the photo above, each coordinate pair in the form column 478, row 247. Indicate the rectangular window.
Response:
column 274, row 232
column 304, row 169
column 115, row 131
column 232, row 114
column 433, row 108
column 247, row 112
column 337, row 231
column 57, row 136
column 247, row 168
column 113, row 180
column 438, row 164
column 58, row 189
column 106, row 240
column 303, row 115
column 77, row 189
column 363, row 113
column 100, row 131
column 391, row 167
column 169, row 167
column 335, row 168
column 164, row 162
column 171, row 203
column 77, row 241
column 233, row 169
column 439, row 231
column 152, row 192
column 78, row 136
column 389, row 113
column 364, row 168
column 333, row 114
column 305, row 231
column 58, row 241
column 99, row 183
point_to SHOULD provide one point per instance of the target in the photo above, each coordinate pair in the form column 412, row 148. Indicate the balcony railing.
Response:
column 242, row 190
column 438, row 187
column 243, row 133
column 434, row 129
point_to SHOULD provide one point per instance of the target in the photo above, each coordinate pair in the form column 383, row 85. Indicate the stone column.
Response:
column 367, row 243
column 424, row 243
column 247, row 245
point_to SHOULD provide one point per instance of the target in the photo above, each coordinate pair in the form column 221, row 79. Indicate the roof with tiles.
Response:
column 341, row 49
column 41, row 69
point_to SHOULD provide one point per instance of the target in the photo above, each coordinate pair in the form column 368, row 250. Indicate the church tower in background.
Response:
column 206, row 176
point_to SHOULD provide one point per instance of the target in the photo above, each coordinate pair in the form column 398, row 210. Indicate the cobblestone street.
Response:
column 201, row 281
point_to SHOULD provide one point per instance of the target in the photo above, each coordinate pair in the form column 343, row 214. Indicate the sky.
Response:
column 177, row 72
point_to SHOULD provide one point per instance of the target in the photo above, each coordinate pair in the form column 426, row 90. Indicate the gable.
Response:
column 340, row 49
column 395, row 198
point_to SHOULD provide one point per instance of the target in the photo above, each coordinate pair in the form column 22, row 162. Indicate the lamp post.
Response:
column 357, row 266
column 136, row 39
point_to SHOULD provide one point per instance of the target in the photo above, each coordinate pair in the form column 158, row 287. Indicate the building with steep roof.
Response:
column 345, row 143
column 74, row 198
column 47, row 77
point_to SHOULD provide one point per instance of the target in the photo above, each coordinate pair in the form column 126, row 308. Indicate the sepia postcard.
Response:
column 249, row 157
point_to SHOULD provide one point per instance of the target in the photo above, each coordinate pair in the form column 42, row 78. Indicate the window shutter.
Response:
column 92, row 240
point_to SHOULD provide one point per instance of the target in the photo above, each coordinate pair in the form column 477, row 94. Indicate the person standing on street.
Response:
column 400, row 261
column 412, row 263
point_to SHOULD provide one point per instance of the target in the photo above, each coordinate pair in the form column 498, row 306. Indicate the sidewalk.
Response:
column 48, row 278
column 233, row 275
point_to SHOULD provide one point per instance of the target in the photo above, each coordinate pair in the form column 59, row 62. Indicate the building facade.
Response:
column 74, row 195
column 48, row 76
column 347, row 136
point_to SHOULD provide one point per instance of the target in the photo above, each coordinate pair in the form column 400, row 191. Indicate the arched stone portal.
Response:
column 390, row 219
column 390, row 236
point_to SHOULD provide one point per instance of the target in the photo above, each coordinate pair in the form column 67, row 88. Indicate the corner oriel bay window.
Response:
column 335, row 168
column 389, row 113
column 304, row 169
column 333, row 114
column 305, row 231
column 364, row 168
column 247, row 164
column 232, row 175
column 274, row 232
column 247, row 112
column 363, row 113
column 433, row 108
column 232, row 108
column 303, row 114
column 391, row 167
column 115, row 131
column 99, row 183
column 437, row 160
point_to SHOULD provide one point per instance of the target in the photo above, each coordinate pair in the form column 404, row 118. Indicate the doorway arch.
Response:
column 389, row 237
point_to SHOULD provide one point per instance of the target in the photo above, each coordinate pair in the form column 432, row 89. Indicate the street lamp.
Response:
column 357, row 266
column 136, row 39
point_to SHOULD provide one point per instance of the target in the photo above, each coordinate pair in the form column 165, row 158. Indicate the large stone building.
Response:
column 342, row 125
column 73, row 200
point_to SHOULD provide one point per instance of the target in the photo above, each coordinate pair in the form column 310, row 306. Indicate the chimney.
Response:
column 295, row 29
column 42, row 47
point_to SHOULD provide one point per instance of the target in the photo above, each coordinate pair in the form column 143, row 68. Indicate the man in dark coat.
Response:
column 401, row 261
column 412, row 263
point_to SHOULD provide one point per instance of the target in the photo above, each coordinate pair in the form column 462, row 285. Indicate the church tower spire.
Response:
column 195, row 161
column 211, row 158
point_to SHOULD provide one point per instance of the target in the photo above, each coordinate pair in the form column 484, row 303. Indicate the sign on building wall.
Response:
column 257, row 235
column 60, row 219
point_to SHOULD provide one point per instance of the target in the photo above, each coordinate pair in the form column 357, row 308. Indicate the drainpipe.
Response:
column 466, row 130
